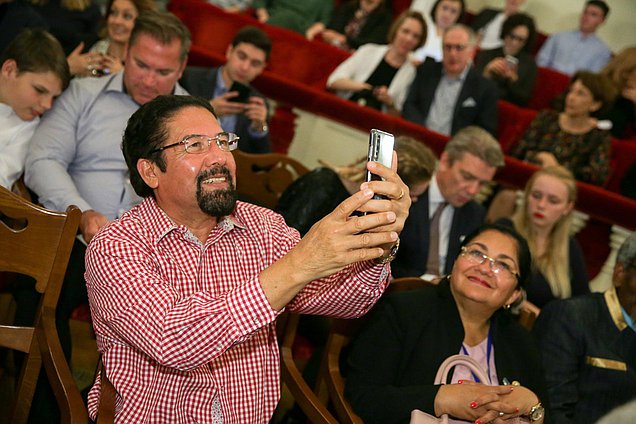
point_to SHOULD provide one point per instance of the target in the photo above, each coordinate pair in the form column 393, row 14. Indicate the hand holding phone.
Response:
column 243, row 92
column 381, row 151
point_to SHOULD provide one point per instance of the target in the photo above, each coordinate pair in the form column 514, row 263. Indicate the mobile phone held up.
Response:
column 243, row 92
column 380, row 150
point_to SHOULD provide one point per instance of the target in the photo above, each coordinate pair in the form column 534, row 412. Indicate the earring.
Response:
column 506, row 307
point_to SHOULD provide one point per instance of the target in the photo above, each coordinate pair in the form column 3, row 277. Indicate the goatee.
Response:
column 217, row 203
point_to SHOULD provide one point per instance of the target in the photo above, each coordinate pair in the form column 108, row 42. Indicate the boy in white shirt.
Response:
column 34, row 72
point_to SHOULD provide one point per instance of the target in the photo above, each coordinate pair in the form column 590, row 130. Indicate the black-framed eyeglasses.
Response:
column 458, row 47
column 514, row 37
column 478, row 257
column 200, row 143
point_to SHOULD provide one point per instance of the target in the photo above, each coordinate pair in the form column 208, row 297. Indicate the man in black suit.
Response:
column 241, row 109
column 469, row 161
column 448, row 96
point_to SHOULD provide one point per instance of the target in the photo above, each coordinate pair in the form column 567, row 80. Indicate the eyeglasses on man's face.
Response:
column 497, row 266
column 199, row 143
column 458, row 47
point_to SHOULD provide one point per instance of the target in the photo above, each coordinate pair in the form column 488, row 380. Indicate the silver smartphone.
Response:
column 380, row 150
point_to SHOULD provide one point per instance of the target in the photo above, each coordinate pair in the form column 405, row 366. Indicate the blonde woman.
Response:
column 544, row 219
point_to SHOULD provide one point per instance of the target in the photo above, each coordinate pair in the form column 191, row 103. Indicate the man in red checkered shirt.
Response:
column 185, row 288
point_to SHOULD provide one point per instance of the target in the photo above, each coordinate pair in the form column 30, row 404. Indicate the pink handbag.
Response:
column 419, row 417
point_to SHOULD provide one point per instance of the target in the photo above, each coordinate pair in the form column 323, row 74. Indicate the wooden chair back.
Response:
column 304, row 396
column 262, row 178
column 37, row 243
column 107, row 397
column 342, row 330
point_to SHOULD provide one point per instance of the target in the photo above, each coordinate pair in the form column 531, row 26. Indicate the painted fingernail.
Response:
column 516, row 410
column 477, row 422
column 460, row 381
column 473, row 404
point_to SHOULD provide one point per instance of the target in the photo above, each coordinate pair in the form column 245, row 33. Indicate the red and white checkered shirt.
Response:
column 184, row 325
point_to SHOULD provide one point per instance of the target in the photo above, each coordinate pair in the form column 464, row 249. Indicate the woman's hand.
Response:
column 382, row 94
column 112, row 63
column 471, row 401
column 333, row 37
column 262, row 15
column 499, row 66
column 84, row 64
column 518, row 402
column 314, row 30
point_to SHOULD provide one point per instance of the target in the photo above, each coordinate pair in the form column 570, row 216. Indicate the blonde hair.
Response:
column 554, row 264
column 620, row 66
column 66, row 4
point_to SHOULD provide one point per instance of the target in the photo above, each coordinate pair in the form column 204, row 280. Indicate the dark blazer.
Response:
column 484, row 93
column 392, row 363
column 201, row 82
column 589, row 357
column 518, row 92
column 411, row 257
column 374, row 30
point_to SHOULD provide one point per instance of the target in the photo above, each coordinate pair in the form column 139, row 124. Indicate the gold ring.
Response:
column 401, row 194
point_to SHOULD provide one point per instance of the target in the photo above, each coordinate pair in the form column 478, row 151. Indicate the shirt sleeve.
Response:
column 14, row 154
column 52, row 151
column 544, row 57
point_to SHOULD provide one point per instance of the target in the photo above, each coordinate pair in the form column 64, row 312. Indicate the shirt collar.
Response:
column 435, row 196
column 220, row 82
column 461, row 76
column 160, row 224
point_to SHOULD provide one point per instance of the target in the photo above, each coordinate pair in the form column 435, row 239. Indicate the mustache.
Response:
column 216, row 170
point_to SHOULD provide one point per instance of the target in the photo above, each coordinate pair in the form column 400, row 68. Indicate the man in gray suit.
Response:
column 240, row 107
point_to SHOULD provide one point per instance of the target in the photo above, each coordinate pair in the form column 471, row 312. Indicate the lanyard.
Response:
column 488, row 352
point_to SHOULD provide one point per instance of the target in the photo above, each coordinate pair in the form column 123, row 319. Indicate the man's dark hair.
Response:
column 516, row 20
column 163, row 27
column 524, row 257
column 147, row 131
column 255, row 36
column 601, row 5
column 37, row 51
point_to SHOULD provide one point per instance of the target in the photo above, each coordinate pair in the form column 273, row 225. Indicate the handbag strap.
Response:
column 444, row 369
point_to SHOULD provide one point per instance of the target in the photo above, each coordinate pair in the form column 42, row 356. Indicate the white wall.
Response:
column 619, row 30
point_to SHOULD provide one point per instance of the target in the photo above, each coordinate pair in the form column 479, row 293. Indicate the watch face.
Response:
column 537, row 413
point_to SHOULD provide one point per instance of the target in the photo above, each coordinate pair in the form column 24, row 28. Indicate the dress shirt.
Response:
column 440, row 117
column 75, row 157
column 228, row 122
column 180, row 323
column 15, row 135
column 435, row 198
column 571, row 51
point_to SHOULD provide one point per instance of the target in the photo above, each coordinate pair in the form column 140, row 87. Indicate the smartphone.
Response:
column 380, row 150
column 512, row 61
column 243, row 92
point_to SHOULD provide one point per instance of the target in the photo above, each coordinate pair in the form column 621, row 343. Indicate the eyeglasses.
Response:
column 478, row 257
column 458, row 47
column 199, row 143
column 517, row 38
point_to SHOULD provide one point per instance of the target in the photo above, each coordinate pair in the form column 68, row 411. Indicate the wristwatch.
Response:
column 392, row 253
column 536, row 412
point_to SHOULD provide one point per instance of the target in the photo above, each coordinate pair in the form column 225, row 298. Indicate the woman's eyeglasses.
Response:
column 478, row 257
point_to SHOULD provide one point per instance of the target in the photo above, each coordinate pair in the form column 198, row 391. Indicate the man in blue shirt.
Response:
column 572, row 51
column 243, row 113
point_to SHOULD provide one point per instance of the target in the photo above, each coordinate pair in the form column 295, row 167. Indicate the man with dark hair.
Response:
column 240, row 107
column 578, row 50
column 446, row 212
column 185, row 288
column 75, row 156
column 33, row 73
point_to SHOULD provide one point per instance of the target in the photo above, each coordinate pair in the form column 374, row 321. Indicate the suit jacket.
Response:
column 411, row 257
column 392, row 363
column 201, row 82
column 481, row 111
column 589, row 357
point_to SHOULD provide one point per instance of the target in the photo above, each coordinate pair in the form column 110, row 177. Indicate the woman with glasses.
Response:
column 512, row 65
column 393, row 362
column 544, row 219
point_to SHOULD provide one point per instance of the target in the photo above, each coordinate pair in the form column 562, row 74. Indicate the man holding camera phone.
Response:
column 240, row 107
